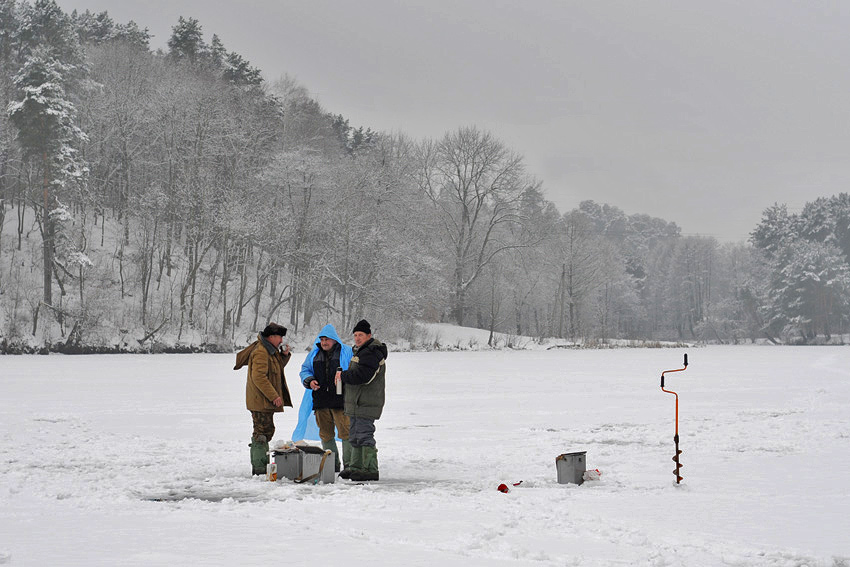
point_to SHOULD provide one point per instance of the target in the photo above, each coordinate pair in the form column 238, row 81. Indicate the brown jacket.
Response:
column 266, row 380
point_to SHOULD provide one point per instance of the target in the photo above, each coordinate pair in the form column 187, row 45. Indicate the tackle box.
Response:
column 303, row 461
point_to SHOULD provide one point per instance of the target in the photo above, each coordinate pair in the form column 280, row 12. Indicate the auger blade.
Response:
column 678, row 466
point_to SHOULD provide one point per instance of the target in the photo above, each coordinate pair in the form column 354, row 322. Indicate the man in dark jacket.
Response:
column 265, row 391
column 364, row 400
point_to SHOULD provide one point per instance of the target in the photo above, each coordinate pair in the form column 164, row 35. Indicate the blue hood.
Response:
column 328, row 331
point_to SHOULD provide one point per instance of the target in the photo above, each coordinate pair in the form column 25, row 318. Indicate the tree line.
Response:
column 175, row 196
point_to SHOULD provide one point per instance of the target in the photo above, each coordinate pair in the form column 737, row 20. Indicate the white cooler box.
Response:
column 304, row 461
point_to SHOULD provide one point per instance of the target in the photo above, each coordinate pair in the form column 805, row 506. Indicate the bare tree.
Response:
column 475, row 184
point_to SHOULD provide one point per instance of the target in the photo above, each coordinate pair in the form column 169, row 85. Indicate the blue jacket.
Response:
column 306, row 427
column 345, row 354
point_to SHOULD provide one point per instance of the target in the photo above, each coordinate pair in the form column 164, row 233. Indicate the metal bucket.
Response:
column 571, row 467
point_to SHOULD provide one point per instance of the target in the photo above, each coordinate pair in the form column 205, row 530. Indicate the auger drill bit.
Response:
column 678, row 468
column 676, row 460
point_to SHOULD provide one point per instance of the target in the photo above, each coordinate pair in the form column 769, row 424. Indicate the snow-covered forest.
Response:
column 176, row 199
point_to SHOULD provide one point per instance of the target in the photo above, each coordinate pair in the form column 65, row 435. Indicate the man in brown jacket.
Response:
column 266, row 391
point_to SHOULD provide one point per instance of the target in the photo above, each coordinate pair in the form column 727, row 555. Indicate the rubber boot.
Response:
column 370, row 465
column 346, row 453
column 259, row 455
column 355, row 463
column 331, row 446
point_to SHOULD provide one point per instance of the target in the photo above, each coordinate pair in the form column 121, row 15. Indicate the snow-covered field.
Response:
column 143, row 460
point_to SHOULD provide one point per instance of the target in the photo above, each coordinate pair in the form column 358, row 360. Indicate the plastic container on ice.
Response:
column 571, row 467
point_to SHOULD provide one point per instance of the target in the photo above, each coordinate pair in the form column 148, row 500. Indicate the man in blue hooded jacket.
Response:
column 317, row 374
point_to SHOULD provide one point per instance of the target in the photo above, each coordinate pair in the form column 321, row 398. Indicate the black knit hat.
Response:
column 274, row 329
column 363, row 326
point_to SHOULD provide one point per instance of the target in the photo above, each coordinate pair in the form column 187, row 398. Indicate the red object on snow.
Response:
column 504, row 488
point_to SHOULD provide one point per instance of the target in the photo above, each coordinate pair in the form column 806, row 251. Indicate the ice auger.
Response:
column 676, row 436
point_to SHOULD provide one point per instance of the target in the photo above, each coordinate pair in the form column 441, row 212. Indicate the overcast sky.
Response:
column 702, row 113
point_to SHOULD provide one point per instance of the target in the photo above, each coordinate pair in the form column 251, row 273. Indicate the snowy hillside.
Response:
column 143, row 460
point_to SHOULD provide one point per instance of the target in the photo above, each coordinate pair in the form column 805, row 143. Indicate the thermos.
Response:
column 271, row 468
column 339, row 382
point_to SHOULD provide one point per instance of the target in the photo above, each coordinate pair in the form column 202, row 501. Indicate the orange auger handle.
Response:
column 674, row 393
column 676, row 436
column 677, row 370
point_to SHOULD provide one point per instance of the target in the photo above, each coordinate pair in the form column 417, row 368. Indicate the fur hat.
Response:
column 274, row 329
column 363, row 326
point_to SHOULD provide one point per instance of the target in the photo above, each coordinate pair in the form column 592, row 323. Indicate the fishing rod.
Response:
column 676, row 436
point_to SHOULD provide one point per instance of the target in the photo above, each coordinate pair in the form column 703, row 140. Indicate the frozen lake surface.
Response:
column 143, row 460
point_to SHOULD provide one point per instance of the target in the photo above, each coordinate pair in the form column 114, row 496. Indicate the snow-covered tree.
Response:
column 809, row 289
column 49, row 136
column 777, row 229
column 44, row 27
column 475, row 184
column 350, row 138
column 217, row 51
column 9, row 28
column 827, row 219
column 689, row 286
column 70, row 246
column 93, row 28
column 187, row 40
column 239, row 71
column 807, row 257
column 133, row 34
column 527, row 272
column 579, row 266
